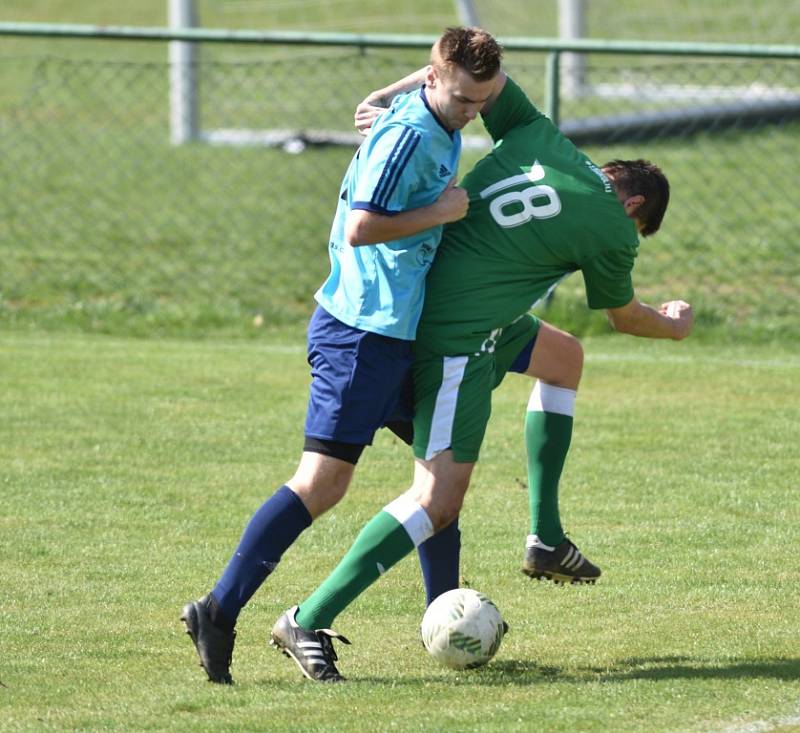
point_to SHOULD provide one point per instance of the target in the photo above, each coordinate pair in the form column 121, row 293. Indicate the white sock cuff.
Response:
column 534, row 541
column 413, row 517
column 547, row 398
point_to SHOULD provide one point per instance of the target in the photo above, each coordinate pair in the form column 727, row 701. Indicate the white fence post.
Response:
column 467, row 12
column 183, row 102
column 572, row 25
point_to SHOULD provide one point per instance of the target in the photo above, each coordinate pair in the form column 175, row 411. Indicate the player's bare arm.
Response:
column 377, row 101
column 368, row 227
column 673, row 320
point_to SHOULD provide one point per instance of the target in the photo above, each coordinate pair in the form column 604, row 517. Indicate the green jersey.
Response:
column 538, row 210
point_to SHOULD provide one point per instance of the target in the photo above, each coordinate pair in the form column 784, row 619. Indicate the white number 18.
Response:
column 536, row 202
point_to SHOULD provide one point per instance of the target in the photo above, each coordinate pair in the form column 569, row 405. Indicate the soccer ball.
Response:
column 462, row 629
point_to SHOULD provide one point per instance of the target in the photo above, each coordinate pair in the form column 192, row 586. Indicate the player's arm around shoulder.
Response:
column 673, row 320
column 378, row 101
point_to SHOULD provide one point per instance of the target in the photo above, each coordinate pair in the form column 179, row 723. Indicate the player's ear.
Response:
column 632, row 204
column 431, row 76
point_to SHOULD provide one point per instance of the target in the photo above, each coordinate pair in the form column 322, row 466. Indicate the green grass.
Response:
column 156, row 260
column 130, row 467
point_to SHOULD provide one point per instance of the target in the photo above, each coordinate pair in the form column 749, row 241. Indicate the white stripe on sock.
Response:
column 445, row 409
column 413, row 517
column 547, row 398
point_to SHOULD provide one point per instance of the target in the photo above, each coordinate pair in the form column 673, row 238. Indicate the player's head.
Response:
column 643, row 190
column 461, row 75
column 469, row 49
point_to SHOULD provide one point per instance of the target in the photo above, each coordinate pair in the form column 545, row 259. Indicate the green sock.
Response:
column 547, row 438
column 382, row 543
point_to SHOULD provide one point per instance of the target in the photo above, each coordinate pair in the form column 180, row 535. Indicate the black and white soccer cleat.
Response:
column 312, row 651
column 564, row 563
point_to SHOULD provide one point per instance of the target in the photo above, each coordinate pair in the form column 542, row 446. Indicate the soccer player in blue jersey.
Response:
column 396, row 196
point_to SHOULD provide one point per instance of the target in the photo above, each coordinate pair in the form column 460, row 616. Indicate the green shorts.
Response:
column 453, row 394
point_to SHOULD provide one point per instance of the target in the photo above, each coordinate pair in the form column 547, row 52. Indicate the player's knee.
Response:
column 443, row 515
column 443, row 505
column 570, row 362
column 319, row 496
column 321, row 482
column 574, row 354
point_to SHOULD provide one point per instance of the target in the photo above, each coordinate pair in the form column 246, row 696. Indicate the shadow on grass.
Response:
column 513, row 671
column 526, row 672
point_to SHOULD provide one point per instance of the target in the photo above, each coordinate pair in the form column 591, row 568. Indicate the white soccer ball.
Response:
column 462, row 629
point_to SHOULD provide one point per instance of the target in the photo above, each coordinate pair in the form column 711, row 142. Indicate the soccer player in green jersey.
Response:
column 539, row 210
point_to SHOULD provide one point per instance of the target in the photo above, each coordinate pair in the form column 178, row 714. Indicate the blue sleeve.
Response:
column 389, row 174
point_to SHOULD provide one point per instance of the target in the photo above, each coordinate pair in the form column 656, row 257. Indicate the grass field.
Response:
column 130, row 467
column 146, row 415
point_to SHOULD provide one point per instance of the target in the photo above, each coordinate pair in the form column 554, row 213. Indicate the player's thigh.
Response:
column 452, row 404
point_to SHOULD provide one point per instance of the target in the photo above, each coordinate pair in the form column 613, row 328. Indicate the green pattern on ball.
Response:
column 468, row 644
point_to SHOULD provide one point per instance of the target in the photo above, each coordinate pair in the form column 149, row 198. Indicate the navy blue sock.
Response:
column 269, row 533
column 439, row 558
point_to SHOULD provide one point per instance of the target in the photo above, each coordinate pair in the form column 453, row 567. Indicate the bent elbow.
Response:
column 356, row 230
column 351, row 233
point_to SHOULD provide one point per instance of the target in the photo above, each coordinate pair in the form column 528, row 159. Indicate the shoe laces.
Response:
column 327, row 647
column 326, row 637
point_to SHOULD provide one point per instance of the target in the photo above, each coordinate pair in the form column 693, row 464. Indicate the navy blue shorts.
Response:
column 359, row 381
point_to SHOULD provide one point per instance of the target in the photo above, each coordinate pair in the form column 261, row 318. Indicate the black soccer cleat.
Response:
column 214, row 645
column 564, row 564
column 312, row 651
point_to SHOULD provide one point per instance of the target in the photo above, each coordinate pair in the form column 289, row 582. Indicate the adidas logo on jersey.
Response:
column 444, row 171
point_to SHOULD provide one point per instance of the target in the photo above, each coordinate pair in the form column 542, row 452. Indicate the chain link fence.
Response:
column 106, row 225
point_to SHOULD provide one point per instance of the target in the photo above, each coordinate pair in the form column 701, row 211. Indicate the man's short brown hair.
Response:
column 641, row 177
column 471, row 49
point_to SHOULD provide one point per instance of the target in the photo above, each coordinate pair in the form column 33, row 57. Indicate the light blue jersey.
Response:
column 404, row 163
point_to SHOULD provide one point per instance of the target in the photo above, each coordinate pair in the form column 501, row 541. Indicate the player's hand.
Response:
column 682, row 317
column 453, row 202
column 366, row 113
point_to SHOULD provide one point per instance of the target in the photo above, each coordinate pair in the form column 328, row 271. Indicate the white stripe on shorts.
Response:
column 445, row 410
column 547, row 398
